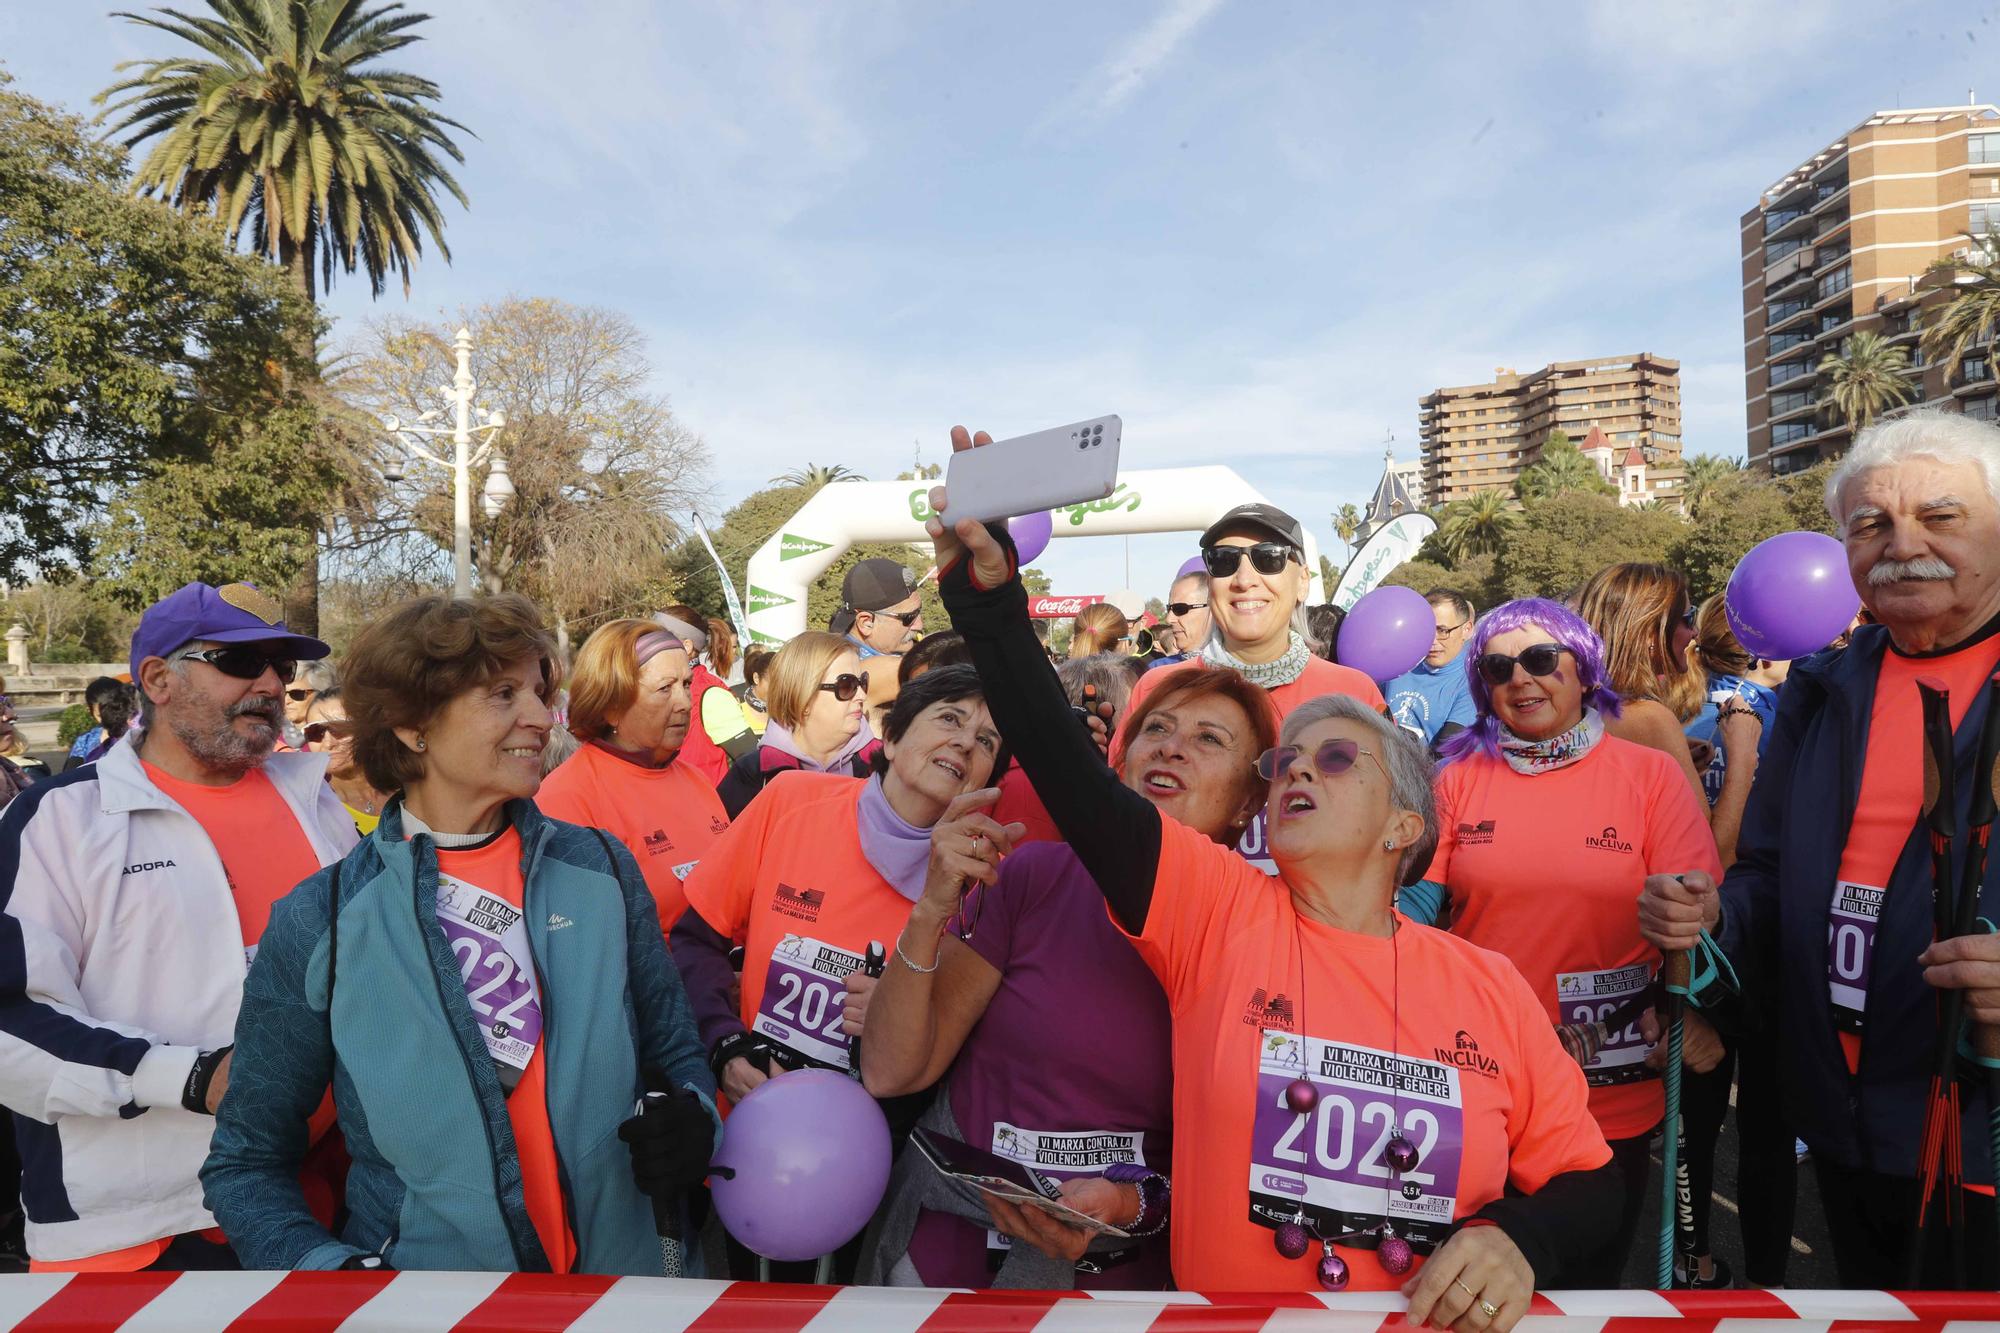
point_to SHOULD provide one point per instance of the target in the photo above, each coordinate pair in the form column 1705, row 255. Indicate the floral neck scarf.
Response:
column 1532, row 757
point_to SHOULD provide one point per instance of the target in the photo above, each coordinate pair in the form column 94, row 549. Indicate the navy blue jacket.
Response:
column 1776, row 902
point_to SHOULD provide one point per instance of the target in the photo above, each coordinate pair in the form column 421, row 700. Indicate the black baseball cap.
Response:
column 1265, row 520
column 874, row 584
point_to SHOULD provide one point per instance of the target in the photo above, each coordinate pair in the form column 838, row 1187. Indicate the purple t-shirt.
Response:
column 1071, row 1067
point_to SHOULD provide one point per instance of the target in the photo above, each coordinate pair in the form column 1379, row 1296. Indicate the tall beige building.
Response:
column 1478, row 437
column 1841, row 245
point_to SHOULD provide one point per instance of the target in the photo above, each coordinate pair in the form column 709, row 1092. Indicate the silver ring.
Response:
column 1489, row 1309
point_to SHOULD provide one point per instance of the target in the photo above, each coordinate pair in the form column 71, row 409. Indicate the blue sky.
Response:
column 1259, row 230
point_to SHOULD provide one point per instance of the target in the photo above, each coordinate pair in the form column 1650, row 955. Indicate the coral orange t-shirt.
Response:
column 1422, row 1030
column 1546, row 869
column 668, row 817
column 1886, row 815
column 1320, row 677
column 264, row 851
column 496, row 868
column 789, row 883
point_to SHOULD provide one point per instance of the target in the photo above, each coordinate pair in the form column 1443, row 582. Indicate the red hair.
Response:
column 1193, row 683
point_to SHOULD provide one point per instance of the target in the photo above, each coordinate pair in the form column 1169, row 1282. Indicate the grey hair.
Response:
column 319, row 677
column 175, row 664
column 1403, row 755
column 1107, row 671
column 560, row 745
column 1924, row 433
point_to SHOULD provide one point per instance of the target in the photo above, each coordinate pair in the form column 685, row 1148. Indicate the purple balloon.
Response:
column 810, row 1152
column 1387, row 632
column 1194, row 564
column 1031, row 533
column 1791, row 596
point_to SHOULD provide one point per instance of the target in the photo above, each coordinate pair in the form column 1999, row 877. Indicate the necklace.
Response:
column 1292, row 1239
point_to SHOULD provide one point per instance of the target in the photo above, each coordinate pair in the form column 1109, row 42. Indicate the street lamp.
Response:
column 499, row 486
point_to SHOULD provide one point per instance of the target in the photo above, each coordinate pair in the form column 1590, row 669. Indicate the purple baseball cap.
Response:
column 233, row 613
column 1194, row 564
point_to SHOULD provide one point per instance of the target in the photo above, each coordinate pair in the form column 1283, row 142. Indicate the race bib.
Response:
column 1063, row 1153
column 1850, row 950
column 1330, row 1162
column 1255, row 845
column 494, row 962
column 804, row 999
column 1593, row 997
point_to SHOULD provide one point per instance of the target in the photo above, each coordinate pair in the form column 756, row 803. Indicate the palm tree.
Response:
column 1347, row 521
column 1562, row 467
column 814, row 475
column 1973, row 314
column 1866, row 379
column 1705, row 473
column 287, row 124
column 1477, row 524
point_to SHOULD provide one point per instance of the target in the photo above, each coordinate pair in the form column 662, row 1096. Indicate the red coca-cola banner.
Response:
column 1055, row 608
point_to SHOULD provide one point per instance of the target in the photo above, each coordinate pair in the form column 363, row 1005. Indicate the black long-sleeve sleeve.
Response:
column 1114, row 831
column 701, row 954
column 1569, row 1216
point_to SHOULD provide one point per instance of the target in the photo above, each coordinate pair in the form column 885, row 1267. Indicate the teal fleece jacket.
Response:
column 378, row 1010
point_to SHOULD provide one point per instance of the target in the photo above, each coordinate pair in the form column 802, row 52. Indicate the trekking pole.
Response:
column 1941, row 1125
column 666, row 1211
column 1985, row 1037
column 1676, row 1196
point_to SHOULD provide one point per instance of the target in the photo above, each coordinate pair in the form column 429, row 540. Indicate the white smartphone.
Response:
column 1047, row 470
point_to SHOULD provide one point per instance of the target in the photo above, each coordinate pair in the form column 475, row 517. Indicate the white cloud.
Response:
column 1126, row 70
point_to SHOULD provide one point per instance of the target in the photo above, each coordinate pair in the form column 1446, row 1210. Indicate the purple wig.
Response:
column 1565, row 627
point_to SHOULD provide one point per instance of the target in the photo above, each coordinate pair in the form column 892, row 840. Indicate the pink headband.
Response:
column 652, row 645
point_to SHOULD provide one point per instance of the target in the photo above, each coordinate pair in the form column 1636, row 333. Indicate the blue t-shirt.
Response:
column 1426, row 697
column 1763, row 701
column 84, row 744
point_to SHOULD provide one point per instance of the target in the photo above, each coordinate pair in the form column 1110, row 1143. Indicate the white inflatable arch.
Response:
column 1179, row 499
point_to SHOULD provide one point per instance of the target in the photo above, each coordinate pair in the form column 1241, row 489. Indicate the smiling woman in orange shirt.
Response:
column 1359, row 1100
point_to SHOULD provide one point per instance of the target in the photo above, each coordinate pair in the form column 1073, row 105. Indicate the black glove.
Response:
column 670, row 1139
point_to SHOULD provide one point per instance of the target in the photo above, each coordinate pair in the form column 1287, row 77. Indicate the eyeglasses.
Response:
column 241, row 661
column 846, row 685
column 903, row 618
column 1182, row 608
column 1540, row 660
column 1687, row 616
column 1332, row 759
column 301, row 696
column 1265, row 558
column 1444, row 631
column 339, row 728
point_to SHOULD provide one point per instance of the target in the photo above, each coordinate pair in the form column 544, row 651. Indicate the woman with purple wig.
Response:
column 1548, row 828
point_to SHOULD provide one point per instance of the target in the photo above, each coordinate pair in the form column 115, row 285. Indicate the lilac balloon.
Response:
column 1194, row 564
column 1031, row 533
column 810, row 1153
column 1387, row 632
column 1791, row 596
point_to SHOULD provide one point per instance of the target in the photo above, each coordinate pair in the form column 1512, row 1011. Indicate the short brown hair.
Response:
column 796, row 673
column 419, row 656
column 605, row 679
column 1189, row 684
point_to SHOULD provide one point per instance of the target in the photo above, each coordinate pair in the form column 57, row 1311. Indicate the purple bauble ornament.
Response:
column 1292, row 1240
column 1395, row 1255
column 1401, row 1154
column 1302, row 1096
column 1332, row 1271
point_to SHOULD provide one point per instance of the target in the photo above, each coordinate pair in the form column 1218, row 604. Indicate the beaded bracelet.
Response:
column 1155, row 1193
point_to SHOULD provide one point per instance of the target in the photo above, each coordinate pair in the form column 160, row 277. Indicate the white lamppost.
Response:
column 499, row 486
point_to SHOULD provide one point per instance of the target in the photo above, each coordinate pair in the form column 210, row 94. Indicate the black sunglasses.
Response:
column 315, row 732
column 846, row 685
column 904, row 618
column 301, row 695
column 1540, row 660
column 1182, row 608
column 1265, row 558
column 242, row 661
column 1332, row 758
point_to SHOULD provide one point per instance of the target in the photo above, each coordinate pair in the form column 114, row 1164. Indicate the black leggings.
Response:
column 1704, row 1105
column 1605, row 1268
column 1767, row 1164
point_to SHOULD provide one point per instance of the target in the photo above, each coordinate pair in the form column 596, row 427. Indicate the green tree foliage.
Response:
column 1865, row 379
column 74, row 721
column 1739, row 512
column 133, row 337
column 1471, row 578
column 284, row 120
column 815, row 475
column 1476, row 524
column 1973, row 313
column 1347, row 521
column 1705, row 472
column 1564, row 539
column 1562, row 468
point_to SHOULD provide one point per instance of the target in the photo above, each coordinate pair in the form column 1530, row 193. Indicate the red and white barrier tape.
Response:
column 433, row 1302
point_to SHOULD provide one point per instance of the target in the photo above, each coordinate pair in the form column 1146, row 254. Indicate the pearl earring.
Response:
column 1388, row 846
column 420, row 742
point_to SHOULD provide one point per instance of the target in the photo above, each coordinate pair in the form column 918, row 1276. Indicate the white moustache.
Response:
column 1924, row 569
